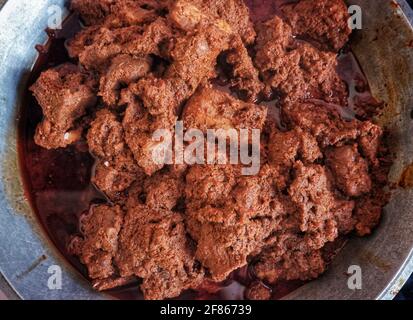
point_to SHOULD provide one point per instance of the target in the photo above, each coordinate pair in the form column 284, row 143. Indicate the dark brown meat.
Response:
column 116, row 169
column 295, row 68
column 194, row 59
column 211, row 108
column 99, row 241
column 350, row 170
column 96, row 46
column 65, row 94
column 284, row 148
column 325, row 22
column 245, row 75
column 124, row 70
column 192, row 14
column 143, row 65
column 116, row 12
column 229, row 216
column 323, row 122
column 153, row 246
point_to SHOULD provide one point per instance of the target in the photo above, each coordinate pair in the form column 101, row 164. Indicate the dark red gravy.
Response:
column 58, row 182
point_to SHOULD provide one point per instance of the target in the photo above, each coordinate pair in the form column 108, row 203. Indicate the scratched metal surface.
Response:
column 385, row 258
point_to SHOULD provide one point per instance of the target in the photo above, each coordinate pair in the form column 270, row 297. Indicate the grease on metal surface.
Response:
column 406, row 180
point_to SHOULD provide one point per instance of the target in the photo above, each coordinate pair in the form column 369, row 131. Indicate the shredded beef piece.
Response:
column 163, row 190
column 245, row 75
column 95, row 47
column 123, row 71
column 211, row 108
column 99, row 241
column 92, row 11
column 324, row 123
column 64, row 94
column 285, row 262
column 194, row 58
column 284, row 148
column 350, row 170
column 191, row 14
column 140, row 124
column 117, row 12
column 323, row 21
column 116, row 169
column 223, row 221
column 368, row 213
column 153, row 246
column 295, row 68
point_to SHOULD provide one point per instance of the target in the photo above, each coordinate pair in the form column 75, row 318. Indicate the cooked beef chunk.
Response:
column 295, row 68
column 191, row 14
column 350, row 170
column 325, row 22
column 153, row 246
column 324, row 123
column 284, row 148
column 164, row 190
column 64, row 93
column 92, row 11
column 123, row 71
column 99, row 241
column 117, row 12
column 286, row 263
column 116, row 169
column 194, row 59
column 229, row 216
column 245, row 76
column 210, row 108
column 140, row 123
column 96, row 46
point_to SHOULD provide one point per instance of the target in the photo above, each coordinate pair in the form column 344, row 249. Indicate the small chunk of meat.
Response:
column 370, row 142
column 193, row 59
column 124, row 70
column 211, row 108
column 227, row 227
column 295, row 68
column 272, row 266
column 350, row 170
column 116, row 169
column 98, row 244
column 140, row 124
column 164, row 190
column 312, row 195
column 223, row 248
column 153, row 246
column 192, row 14
column 209, row 185
column 92, row 11
column 368, row 213
column 110, row 180
column 324, row 123
column 116, row 12
column 96, row 46
column 284, row 148
column 64, row 94
column 325, row 22
column 194, row 56
column 245, row 77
